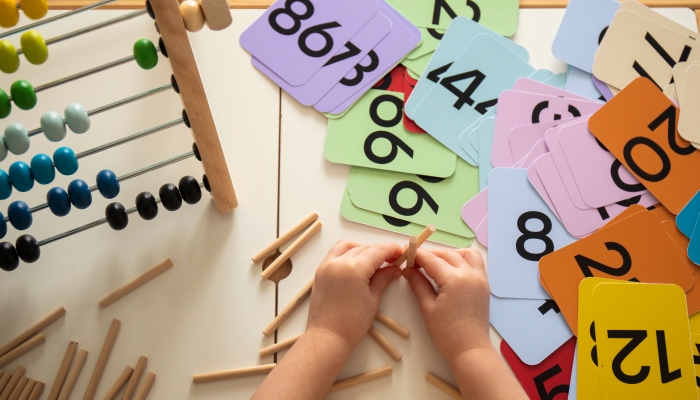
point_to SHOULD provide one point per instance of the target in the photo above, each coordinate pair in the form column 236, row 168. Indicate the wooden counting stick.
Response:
column 73, row 375
column 102, row 360
column 146, row 386
column 288, row 309
column 388, row 347
column 361, row 378
column 19, row 388
column 22, row 349
column 287, row 236
column 27, row 390
column 293, row 248
column 38, row 390
column 135, row 377
column 234, row 373
column 277, row 347
column 427, row 232
column 216, row 14
column 411, row 251
column 4, row 379
column 63, row 370
column 33, row 330
column 444, row 386
column 136, row 283
column 391, row 324
column 16, row 376
column 119, row 383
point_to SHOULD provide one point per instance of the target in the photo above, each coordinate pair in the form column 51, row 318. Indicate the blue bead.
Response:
column 108, row 184
column 3, row 226
column 58, row 201
column 42, row 169
column 65, row 161
column 21, row 176
column 5, row 185
column 79, row 194
column 20, row 216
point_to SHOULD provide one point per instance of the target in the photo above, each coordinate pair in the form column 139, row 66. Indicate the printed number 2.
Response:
column 544, row 377
column 636, row 338
column 319, row 29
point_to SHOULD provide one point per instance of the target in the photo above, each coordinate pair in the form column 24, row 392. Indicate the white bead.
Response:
column 192, row 15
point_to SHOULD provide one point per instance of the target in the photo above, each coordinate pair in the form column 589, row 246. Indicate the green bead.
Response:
column 23, row 95
column 9, row 60
column 16, row 138
column 145, row 54
column 34, row 47
column 5, row 104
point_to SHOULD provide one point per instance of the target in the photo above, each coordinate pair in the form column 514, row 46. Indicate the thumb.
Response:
column 422, row 289
column 382, row 278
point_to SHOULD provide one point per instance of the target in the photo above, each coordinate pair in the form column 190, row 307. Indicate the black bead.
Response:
column 195, row 150
column 157, row 28
column 205, row 180
column 163, row 51
column 146, row 206
column 149, row 10
column 170, row 197
column 176, row 88
column 9, row 260
column 116, row 215
column 27, row 248
column 187, row 120
column 190, row 190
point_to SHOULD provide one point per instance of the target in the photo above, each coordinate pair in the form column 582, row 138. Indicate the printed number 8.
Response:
column 527, row 235
column 396, row 143
column 297, row 18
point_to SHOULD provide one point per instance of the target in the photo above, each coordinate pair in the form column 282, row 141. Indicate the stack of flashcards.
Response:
column 328, row 53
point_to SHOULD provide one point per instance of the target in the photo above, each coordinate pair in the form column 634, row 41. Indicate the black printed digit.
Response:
column 636, row 338
column 421, row 193
column 544, row 377
column 374, row 110
column 664, row 54
column 547, row 306
column 594, row 349
column 615, row 174
column 319, row 29
column 442, row 5
column 463, row 97
column 361, row 69
column 395, row 221
column 543, row 105
column 586, row 264
column 288, row 11
column 666, row 375
column 624, row 203
column 396, row 144
column 435, row 74
column 669, row 116
column 352, row 52
column 696, row 361
column 528, row 235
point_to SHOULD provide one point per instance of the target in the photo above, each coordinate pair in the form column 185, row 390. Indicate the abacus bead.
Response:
column 5, row 104
column 23, row 94
column 116, row 215
column 9, row 59
column 53, row 126
column 21, row 176
column 173, row 82
column 149, row 10
column 3, row 149
column 19, row 215
column 16, row 138
column 192, row 15
column 27, row 248
column 189, row 190
column 79, row 194
column 65, row 160
column 146, row 206
column 145, row 54
column 205, row 181
column 5, row 185
column 34, row 47
column 3, row 226
column 77, row 118
column 9, row 14
column 107, row 184
column 170, row 197
column 9, row 260
column 58, row 201
column 34, row 9
column 42, row 169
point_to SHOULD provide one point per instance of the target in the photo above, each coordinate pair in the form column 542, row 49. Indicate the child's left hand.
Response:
column 348, row 286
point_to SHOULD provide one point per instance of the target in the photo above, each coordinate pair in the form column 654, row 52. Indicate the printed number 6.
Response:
column 420, row 192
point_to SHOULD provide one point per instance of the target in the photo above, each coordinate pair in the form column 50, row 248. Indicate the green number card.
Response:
column 430, row 42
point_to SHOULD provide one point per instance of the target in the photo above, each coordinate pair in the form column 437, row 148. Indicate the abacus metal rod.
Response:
column 92, row 28
column 55, row 18
column 129, row 138
column 89, row 226
column 114, row 105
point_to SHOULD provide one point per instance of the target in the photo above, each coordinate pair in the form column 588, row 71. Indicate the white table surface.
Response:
column 207, row 312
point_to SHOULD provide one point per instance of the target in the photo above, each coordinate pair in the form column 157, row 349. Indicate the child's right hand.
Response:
column 457, row 316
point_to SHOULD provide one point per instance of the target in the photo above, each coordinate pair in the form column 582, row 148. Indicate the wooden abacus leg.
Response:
column 234, row 373
column 135, row 378
column 146, row 387
column 14, row 380
column 21, row 350
column 361, row 378
column 102, row 360
column 444, row 386
column 32, row 330
column 288, row 309
column 391, row 324
column 73, row 375
column 277, row 347
column 63, row 370
column 136, row 283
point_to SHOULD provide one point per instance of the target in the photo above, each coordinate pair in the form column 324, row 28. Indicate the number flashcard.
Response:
column 695, row 339
column 430, row 41
column 521, row 233
column 409, row 85
column 679, row 73
column 643, row 342
column 638, row 126
column 475, row 210
column 371, row 134
column 636, row 248
column 534, row 329
column 548, row 379
column 391, row 82
column 522, row 139
column 687, row 218
column 581, row 83
column 689, row 122
column 485, row 138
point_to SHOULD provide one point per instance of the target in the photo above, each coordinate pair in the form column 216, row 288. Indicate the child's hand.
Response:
column 457, row 316
column 348, row 286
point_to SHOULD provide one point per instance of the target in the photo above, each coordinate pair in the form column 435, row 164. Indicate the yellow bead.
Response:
column 192, row 15
column 9, row 16
column 34, row 47
column 9, row 60
column 34, row 9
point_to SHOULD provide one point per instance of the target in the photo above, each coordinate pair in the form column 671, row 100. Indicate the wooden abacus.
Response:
column 173, row 20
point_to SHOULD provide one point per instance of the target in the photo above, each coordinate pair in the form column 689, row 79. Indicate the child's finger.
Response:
column 382, row 278
column 475, row 260
column 355, row 251
column 421, row 287
column 341, row 247
column 373, row 257
column 452, row 257
column 437, row 268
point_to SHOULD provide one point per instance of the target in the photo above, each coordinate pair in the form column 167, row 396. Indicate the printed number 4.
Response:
column 463, row 97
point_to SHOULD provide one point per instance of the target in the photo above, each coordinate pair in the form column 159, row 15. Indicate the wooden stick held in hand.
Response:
column 361, row 378
column 136, row 283
column 293, row 248
column 412, row 247
column 32, row 330
column 63, row 370
column 234, row 373
column 427, row 232
column 287, row 236
column 102, row 360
